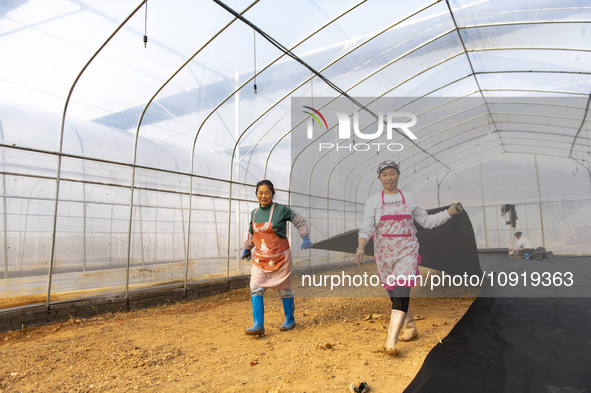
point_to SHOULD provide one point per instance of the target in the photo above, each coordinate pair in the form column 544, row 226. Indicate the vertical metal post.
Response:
column 183, row 221
column 25, row 229
column 540, row 201
column 237, row 157
column 59, row 163
column 310, row 204
column 172, row 234
column 229, row 230
column 188, row 241
column 54, row 225
column 483, row 207
column 4, row 212
column 84, row 218
column 5, row 223
column 154, row 258
column 217, row 231
column 438, row 183
column 130, row 221
column 111, row 237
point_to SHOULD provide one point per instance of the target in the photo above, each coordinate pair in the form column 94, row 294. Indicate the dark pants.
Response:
column 400, row 297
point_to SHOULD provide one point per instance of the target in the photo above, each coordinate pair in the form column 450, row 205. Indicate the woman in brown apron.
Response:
column 271, row 258
column 389, row 218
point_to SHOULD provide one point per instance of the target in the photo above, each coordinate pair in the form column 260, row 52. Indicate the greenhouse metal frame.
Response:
column 133, row 132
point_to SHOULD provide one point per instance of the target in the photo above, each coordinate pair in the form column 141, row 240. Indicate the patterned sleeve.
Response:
column 248, row 244
column 300, row 224
column 368, row 227
column 424, row 219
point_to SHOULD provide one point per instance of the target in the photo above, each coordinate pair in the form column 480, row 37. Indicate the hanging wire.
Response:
column 146, row 25
column 254, row 48
column 312, row 88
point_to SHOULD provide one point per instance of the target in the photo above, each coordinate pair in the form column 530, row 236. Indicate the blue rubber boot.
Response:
column 258, row 315
column 288, row 308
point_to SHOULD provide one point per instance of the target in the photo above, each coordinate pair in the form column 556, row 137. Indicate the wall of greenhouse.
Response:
column 105, row 243
column 128, row 164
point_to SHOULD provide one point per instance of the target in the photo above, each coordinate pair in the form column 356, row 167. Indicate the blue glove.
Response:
column 306, row 244
column 246, row 254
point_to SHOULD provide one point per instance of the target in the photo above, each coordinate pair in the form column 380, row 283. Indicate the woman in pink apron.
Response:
column 271, row 258
column 388, row 217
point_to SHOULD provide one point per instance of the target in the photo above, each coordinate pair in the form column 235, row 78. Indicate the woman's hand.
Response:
column 246, row 254
column 359, row 254
column 306, row 244
column 455, row 209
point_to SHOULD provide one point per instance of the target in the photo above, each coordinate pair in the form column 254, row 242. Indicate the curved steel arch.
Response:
column 272, row 149
column 317, row 73
column 356, row 84
column 61, row 142
column 188, row 238
column 285, row 52
column 475, row 73
column 428, row 154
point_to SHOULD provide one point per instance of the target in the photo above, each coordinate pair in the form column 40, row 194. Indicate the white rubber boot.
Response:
column 410, row 330
column 396, row 321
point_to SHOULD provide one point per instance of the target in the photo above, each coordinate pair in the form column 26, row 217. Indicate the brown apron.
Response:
column 271, row 259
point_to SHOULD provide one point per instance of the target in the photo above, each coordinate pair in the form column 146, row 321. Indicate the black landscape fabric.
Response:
column 450, row 247
column 525, row 345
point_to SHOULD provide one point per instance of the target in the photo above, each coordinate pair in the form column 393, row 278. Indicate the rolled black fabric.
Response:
column 344, row 242
column 450, row 247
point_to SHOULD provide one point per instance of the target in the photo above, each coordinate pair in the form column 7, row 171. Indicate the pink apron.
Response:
column 396, row 246
column 271, row 259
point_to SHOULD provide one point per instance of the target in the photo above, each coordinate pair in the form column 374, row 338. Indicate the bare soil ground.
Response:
column 200, row 346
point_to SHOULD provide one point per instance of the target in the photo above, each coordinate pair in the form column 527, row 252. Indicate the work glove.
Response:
column 246, row 254
column 359, row 254
column 306, row 244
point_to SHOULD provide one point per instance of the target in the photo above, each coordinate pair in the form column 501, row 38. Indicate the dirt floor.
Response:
column 200, row 346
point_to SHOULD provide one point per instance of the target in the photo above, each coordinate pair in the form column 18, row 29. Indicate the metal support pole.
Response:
column 483, row 208
column 188, row 241
column 4, row 212
column 229, row 231
column 5, row 224
column 540, row 201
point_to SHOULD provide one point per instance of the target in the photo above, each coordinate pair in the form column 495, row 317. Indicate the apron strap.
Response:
column 270, row 215
column 401, row 194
